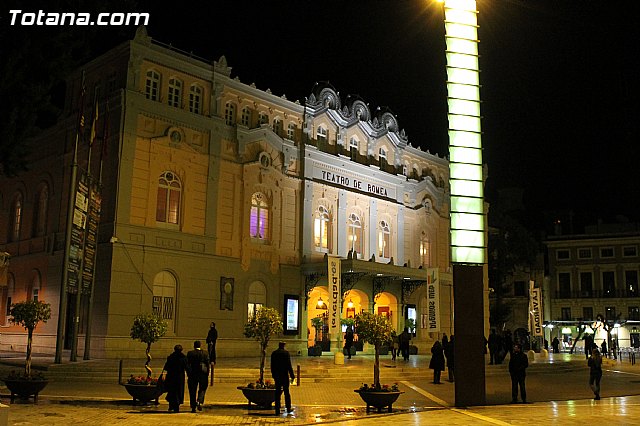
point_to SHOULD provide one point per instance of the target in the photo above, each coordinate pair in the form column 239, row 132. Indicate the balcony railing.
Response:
column 596, row 294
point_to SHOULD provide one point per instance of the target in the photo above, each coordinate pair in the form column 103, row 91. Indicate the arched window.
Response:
column 164, row 297
column 322, row 230
column 384, row 240
column 291, row 131
column 257, row 298
column 382, row 153
column 175, row 92
column 230, row 114
column 152, row 85
column 259, row 217
column 33, row 290
column 195, row 99
column 40, row 212
column 425, row 251
column 277, row 126
column 169, row 194
column 354, row 234
column 7, row 297
column 15, row 223
column 321, row 134
column 246, row 117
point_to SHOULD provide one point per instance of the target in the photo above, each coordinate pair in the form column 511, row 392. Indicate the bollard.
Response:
column 120, row 373
column 298, row 375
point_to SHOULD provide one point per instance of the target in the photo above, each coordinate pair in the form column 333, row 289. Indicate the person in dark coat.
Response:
column 595, row 372
column 348, row 340
column 518, row 365
column 281, row 370
column 173, row 375
column 212, row 337
column 198, row 373
column 603, row 348
column 588, row 345
column 494, row 347
column 448, row 353
column 555, row 344
column 437, row 361
column 403, row 341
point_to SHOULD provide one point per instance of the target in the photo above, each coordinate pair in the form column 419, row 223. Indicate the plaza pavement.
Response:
column 557, row 389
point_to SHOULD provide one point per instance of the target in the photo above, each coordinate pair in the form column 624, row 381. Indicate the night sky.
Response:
column 559, row 80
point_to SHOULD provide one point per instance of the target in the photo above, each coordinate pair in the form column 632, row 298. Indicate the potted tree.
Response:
column 376, row 330
column 316, row 349
column 266, row 322
column 148, row 329
column 28, row 314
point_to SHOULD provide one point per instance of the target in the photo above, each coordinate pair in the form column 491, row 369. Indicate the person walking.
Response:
column 403, row 341
column 494, row 347
column 198, row 375
column 603, row 348
column 348, row 340
column 281, row 370
column 588, row 345
column 449, row 354
column 212, row 337
column 555, row 344
column 614, row 349
column 518, row 364
column 394, row 345
column 595, row 372
column 437, row 361
column 173, row 376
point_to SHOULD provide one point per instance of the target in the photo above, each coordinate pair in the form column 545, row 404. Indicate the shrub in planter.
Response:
column 148, row 329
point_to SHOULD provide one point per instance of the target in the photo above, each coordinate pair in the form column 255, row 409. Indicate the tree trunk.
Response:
column 27, row 364
column 146, row 364
column 263, row 355
column 376, row 368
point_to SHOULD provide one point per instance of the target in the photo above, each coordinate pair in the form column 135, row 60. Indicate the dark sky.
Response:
column 559, row 79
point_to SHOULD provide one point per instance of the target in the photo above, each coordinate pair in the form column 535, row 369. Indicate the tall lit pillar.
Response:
column 467, row 205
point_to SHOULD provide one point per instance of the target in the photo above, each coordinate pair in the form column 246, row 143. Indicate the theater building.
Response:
column 218, row 198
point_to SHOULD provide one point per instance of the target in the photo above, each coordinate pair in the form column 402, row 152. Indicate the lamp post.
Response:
column 466, row 181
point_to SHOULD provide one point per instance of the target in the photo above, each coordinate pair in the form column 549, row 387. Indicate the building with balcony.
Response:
column 218, row 198
column 593, row 284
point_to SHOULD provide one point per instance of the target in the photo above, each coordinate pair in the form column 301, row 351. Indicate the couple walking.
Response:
column 196, row 365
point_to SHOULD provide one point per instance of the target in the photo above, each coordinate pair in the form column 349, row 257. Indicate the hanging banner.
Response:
column 536, row 312
column 76, row 245
column 433, row 300
column 91, row 239
column 335, row 295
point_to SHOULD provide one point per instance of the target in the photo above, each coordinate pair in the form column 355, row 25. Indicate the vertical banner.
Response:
column 335, row 295
column 536, row 312
column 433, row 300
column 91, row 239
column 79, row 223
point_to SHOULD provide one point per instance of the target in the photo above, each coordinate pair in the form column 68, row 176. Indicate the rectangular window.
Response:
column 606, row 252
column 174, row 204
column 564, row 285
column 586, row 284
column 584, row 253
column 587, row 313
column 563, row 254
column 566, row 314
column 161, row 206
column 634, row 313
column 631, row 283
column 610, row 312
column 630, row 251
column 252, row 308
column 608, row 284
column 519, row 288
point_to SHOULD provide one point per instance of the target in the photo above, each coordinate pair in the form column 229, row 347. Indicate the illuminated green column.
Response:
column 467, row 205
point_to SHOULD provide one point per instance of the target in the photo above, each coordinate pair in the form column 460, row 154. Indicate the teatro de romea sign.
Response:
column 353, row 182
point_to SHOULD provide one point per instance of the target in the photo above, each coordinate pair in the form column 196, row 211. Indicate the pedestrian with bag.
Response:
column 198, row 375
column 281, row 370
column 173, row 378
column 518, row 364
column 595, row 372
